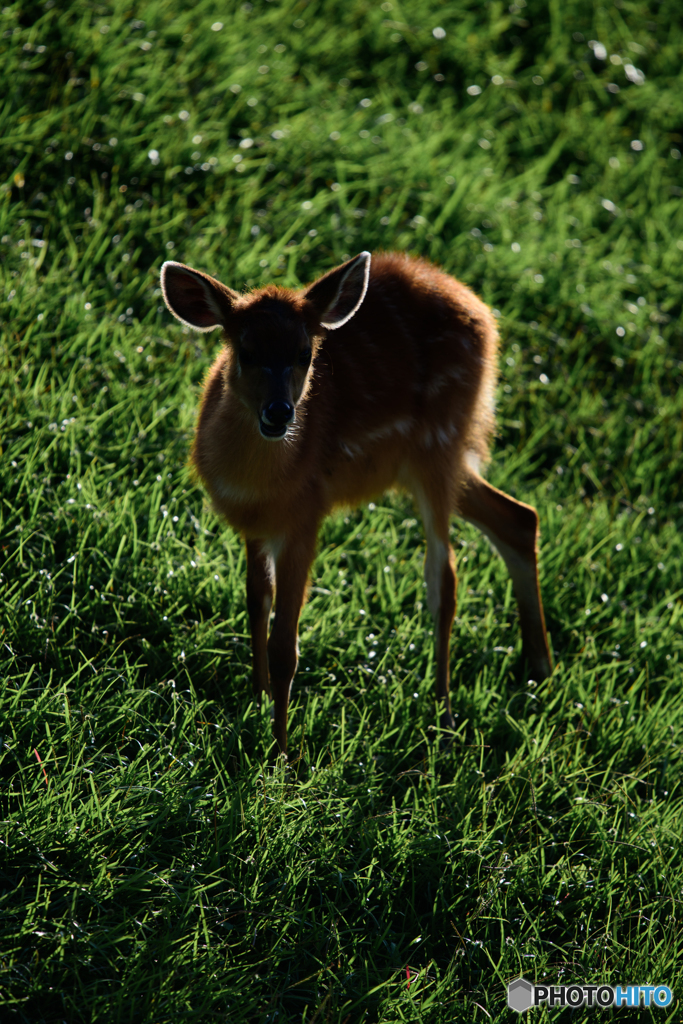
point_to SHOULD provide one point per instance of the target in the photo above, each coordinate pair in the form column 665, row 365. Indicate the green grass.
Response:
column 153, row 867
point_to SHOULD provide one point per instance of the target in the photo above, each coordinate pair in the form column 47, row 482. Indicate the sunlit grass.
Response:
column 153, row 867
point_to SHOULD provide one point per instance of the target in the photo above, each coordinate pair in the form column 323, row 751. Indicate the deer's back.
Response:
column 408, row 379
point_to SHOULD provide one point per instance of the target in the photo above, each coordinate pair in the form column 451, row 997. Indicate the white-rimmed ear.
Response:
column 194, row 298
column 338, row 294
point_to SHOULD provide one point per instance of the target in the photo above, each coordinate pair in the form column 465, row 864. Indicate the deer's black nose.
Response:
column 278, row 414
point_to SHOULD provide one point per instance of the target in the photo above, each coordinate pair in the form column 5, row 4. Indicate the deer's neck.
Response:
column 235, row 462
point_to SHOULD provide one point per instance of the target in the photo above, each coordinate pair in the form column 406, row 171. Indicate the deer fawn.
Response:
column 363, row 381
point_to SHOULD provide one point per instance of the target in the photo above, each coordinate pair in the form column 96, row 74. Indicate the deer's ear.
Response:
column 338, row 294
column 195, row 298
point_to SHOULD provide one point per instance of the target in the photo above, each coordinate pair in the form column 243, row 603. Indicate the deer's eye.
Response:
column 305, row 357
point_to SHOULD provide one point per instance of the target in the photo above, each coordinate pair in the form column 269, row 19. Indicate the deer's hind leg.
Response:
column 441, row 580
column 512, row 527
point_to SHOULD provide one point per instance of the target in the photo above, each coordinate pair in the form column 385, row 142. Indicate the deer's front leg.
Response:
column 291, row 576
column 259, row 603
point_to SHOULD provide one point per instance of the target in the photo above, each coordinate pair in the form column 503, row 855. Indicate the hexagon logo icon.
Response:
column 520, row 995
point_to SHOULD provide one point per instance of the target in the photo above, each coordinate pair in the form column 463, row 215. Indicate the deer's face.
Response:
column 272, row 357
column 273, row 333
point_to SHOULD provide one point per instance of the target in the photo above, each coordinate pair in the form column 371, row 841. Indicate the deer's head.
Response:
column 273, row 333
